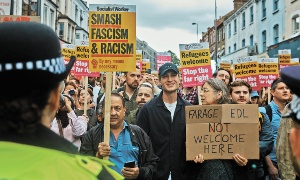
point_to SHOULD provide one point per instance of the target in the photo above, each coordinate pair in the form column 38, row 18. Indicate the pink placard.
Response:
column 195, row 76
column 252, row 80
column 81, row 68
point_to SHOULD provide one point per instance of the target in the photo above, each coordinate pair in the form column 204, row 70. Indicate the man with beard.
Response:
column 129, row 91
column 163, row 119
column 290, row 76
column 96, row 89
column 145, row 94
column 240, row 94
column 281, row 94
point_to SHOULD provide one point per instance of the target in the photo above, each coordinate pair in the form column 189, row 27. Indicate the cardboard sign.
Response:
column 220, row 131
column 112, row 37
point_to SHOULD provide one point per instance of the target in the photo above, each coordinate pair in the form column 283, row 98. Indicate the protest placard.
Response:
column 10, row 18
column 68, row 50
column 112, row 37
column 267, row 71
column 221, row 131
column 246, row 68
column 81, row 66
column 139, row 57
column 284, row 58
column 162, row 58
column 195, row 64
column 145, row 65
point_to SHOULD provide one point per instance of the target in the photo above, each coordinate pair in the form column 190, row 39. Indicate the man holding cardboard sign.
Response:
column 240, row 94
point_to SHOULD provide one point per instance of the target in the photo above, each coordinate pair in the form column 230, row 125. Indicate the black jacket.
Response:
column 147, row 159
column 168, row 139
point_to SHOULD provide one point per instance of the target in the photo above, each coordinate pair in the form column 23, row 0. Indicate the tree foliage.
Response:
column 174, row 57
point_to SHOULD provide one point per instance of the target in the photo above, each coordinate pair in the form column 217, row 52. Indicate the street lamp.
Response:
column 197, row 30
column 216, row 36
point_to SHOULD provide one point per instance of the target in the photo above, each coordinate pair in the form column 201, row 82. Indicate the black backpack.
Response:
column 269, row 111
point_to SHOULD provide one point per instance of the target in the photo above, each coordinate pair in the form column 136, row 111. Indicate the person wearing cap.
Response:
column 281, row 94
column 28, row 148
column 145, row 94
column 288, row 146
column 240, row 94
column 254, row 97
column 163, row 119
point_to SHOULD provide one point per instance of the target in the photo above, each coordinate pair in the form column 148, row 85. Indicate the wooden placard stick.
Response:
column 107, row 109
column 199, row 97
column 86, row 79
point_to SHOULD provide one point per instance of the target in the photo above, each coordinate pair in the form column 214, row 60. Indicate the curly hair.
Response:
column 22, row 115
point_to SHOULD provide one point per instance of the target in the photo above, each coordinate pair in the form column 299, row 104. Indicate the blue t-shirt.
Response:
column 122, row 150
column 276, row 116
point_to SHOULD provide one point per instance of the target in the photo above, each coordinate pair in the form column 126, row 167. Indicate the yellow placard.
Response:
column 145, row 66
column 284, row 58
column 245, row 69
column 268, row 68
column 191, row 58
column 67, row 53
column 225, row 65
column 138, row 57
column 112, row 41
column 82, row 52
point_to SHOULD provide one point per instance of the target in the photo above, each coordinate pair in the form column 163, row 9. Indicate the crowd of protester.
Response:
column 147, row 119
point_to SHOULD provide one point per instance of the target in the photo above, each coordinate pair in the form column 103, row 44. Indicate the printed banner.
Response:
column 195, row 64
column 246, row 68
column 225, row 65
column 267, row 71
column 112, row 37
column 19, row 18
column 145, row 65
column 139, row 57
column 162, row 58
column 68, row 50
column 284, row 58
column 82, row 62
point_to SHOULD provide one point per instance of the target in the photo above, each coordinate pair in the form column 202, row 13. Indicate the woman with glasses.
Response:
column 214, row 91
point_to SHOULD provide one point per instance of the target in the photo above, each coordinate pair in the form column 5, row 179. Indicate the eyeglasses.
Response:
column 222, row 75
column 207, row 90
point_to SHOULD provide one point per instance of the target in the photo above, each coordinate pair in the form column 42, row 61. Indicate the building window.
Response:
column 243, row 43
column 264, row 9
column 223, row 33
column 77, row 36
column 275, row 5
column 264, row 41
column 229, row 30
column 69, row 33
column 251, row 40
column 51, row 18
column 61, row 30
column 234, row 31
column 295, row 22
column 244, row 20
column 45, row 20
column 234, row 47
column 219, row 35
column 275, row 30
column 229, row 50
column 251, row 14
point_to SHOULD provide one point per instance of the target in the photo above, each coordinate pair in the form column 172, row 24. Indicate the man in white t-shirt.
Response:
column 163, row 119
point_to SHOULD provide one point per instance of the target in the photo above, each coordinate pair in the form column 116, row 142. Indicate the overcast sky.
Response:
column 164, row 24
